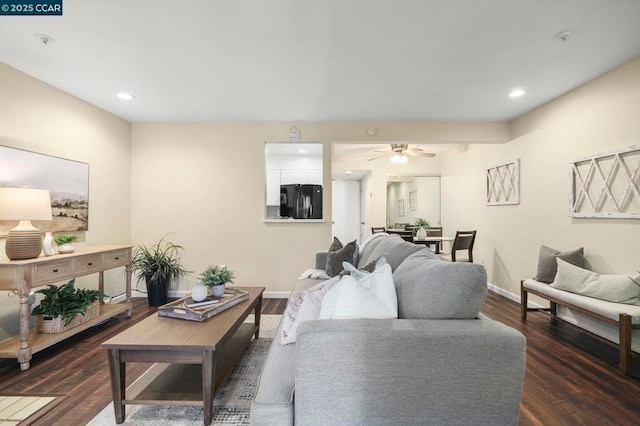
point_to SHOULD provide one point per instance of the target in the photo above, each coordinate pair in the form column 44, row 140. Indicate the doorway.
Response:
column 345, row 210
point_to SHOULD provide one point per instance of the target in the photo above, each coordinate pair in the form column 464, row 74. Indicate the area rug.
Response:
column 23, row 410
column 231, row 405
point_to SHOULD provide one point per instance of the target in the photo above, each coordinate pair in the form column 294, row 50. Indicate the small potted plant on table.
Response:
column 216, row 277
column 63, row 241
column 422, row 228
column 158, row 264
column 65, row 307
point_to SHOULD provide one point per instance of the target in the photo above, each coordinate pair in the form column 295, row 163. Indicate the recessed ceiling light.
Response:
column 125, row 96
column 516, row 93
column 301, row 151
column 348, row 173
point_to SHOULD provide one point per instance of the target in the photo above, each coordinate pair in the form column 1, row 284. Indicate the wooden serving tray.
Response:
column 177, row 309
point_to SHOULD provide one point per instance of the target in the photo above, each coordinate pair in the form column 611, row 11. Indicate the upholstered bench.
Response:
column 625, row 317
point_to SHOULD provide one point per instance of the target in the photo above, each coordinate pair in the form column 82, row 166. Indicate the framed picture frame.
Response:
column 413, row 199
column 401, row 207
column 66, row 180
column 503, row 184
column 606, row 185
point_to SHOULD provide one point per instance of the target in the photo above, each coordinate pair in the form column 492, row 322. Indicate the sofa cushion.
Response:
column 303, row 306
column 434, row 289
column 274, row 395
column 612, row 288
column 371, row 296
column 393, row 248
column 547, row 264
column 336, row 257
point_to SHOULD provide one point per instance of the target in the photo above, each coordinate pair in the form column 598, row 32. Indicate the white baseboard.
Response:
column 277, row 294
column 511, row 296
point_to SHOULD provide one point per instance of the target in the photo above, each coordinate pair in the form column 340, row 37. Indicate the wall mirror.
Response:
column 293, row 181
column 410, row 197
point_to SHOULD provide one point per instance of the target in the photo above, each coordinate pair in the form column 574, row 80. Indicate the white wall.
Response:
column 204, row 183
column 599, row 116
column 39, row 118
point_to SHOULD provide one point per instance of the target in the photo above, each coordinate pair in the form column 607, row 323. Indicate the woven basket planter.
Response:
column 51, row 325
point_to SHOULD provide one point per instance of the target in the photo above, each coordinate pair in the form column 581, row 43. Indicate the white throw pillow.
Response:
column 612, row 288
column 372, row 296
column 304, row 306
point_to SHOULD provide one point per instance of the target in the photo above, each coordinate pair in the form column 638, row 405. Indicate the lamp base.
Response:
column 23, row 243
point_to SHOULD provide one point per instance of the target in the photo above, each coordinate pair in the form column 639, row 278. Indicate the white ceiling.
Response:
column 322, row 60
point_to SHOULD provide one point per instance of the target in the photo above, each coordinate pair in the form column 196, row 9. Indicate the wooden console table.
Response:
column 32, row 273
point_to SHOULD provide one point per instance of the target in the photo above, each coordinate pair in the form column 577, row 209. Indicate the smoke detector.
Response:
column 564, row 35
column 45, row 39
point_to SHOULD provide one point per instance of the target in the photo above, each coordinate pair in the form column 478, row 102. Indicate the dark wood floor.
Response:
column 571, row 378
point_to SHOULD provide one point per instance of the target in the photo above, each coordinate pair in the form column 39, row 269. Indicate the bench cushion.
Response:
column 606, row 309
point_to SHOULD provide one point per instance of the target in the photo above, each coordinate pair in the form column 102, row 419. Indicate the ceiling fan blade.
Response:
column 380, row 156
column 381, row 150
column 413, row 150
column 421, row 154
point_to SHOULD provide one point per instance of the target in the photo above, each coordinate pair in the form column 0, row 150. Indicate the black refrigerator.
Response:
column 301, row 201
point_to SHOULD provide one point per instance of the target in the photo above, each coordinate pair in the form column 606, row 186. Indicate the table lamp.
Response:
column 24, row 204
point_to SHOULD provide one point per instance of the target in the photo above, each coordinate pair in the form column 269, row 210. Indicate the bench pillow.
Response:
column 547, row 264
column 612, row 288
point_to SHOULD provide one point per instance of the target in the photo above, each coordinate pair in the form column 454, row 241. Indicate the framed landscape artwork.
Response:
column 66, row 180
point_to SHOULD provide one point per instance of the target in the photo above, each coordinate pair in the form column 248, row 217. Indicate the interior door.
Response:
column 345, row 210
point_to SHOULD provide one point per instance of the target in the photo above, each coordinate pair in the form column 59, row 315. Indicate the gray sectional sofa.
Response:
column 440, row 362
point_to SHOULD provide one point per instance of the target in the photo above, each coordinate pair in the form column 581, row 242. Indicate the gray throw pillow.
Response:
column 548, row 265
column 335, row 258
column 432, row 289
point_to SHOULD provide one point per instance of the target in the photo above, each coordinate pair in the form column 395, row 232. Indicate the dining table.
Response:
column 429, row 241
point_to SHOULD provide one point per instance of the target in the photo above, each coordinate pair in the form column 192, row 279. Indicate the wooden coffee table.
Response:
column 193, row 358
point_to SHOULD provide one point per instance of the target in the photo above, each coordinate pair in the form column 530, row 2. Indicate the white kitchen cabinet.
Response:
column 273, row 187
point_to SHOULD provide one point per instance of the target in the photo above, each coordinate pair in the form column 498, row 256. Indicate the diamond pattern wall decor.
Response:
column 606, row 185
column 503, row 184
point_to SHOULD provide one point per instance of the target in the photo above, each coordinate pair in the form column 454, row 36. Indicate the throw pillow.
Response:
column 547, row 264
column 612, row 288
column 303, row 306
column 433, row 289
column 372, row 296
column 335, row 257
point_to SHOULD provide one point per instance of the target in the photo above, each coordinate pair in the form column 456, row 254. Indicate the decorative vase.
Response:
column 421, row 234
column 47, row 245
column 157, row 291
column 199, row 292
column 65, row 248
column 217, row 290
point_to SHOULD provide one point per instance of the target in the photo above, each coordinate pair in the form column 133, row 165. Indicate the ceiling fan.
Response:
column 400, row 153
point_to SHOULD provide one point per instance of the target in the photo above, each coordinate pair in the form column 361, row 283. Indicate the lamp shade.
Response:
column 25, row 204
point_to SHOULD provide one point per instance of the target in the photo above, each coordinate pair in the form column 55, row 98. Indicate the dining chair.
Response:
column 377, row 229
column 464, row 241
column 435, row 231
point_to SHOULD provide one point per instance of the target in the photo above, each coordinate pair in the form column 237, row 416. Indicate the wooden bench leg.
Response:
column 625, row 342
column 523, row 302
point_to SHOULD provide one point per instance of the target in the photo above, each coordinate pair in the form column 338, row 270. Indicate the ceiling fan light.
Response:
column 403, row 159
column 395, row 159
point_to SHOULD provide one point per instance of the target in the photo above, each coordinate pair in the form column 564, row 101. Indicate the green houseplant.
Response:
column 63, row 241
column 216, row 277
column 66, row 301
column 422, row 228
column 158, row 264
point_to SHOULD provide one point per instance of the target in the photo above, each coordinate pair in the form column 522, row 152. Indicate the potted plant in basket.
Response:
column 65, row 307
column 158, row 264
column 63, row 241
column 216, row 277
column 422, row 228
